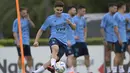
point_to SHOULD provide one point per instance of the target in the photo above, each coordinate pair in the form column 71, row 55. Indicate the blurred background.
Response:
column 40, row 9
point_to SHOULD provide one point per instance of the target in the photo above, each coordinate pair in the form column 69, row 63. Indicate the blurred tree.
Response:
column 40, row 9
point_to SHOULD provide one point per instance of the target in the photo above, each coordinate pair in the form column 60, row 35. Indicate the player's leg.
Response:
column 85, row 52
column 19, row 65
column 48, row 66
column 108, row 48
column 19, row 60
column 43, row 68
column 87, row 61
column 54, row 46
column 117, row 58
column 60, row 54
column 75, row 64
column 123, row 49
column 70, row 59
column 54, row 50
column 75, row 50
column 28, row 57
column 128, row 46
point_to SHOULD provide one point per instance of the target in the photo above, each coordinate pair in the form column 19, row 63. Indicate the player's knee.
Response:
column 55, row 48
column 19, row 58
column 86, row 57
column 29, row 58
column 70, row 58
column 107, row 50
column 129, row 49
column 118, row 55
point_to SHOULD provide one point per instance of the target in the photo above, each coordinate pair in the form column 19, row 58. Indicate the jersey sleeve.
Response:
column 114, row 22
column 15, row 26
column 103, row 22
column 46, row 24
column 116, row 19
column 85, row 22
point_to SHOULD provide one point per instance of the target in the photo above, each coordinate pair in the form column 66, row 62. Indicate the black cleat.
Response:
column 51, row 69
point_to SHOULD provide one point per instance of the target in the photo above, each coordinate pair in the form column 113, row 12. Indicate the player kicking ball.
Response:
column 58, row 24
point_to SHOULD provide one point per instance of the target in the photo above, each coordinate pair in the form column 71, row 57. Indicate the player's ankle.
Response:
column 53, row 62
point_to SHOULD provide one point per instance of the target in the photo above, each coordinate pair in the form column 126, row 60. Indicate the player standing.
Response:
column 128, row 35
column 120, row 45
column 26, row 22
column 80, row 36
column 58, row 24
column 70, row 33
column 109, row 36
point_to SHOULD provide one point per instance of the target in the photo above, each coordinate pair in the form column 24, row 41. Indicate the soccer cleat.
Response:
column 51, row 69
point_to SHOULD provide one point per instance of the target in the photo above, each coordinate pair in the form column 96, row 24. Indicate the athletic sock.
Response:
column 40, row 69
column 114, row 69
column 53, row 62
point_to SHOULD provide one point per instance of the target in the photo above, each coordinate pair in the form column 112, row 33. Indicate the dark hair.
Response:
column 120, row 4
column 70, row 7
column 59, row 4
column 80, row 7
column 112, row 4
column 23, row 8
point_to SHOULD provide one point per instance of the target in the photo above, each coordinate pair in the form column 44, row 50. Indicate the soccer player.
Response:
column 80, row 36
column 26, row 22
column 109, row 36
column 128, row 35
column 120, row 45
column 70, row 34
column 58, row 24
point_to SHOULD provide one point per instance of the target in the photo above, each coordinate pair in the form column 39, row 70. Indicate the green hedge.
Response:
column 10, row 42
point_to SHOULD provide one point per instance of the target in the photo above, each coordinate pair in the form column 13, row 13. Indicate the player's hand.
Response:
column 28, row 17
column 120, row 42
column 68, row 21
column 76, row 37
column 127, row 20
column 17, row 43
column 85, row 38
column 36, row 44
column 105, row 43
column 69, row 43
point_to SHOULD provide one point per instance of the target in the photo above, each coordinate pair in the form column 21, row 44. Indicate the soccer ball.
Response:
column 60, row 67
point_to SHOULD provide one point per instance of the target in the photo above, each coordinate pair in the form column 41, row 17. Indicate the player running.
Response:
column 109, row 36
column 26, row 22
column 58, row 24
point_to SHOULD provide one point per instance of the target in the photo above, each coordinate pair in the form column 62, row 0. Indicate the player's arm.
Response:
column 30, row 21
column 103, row 25
column 127, row 29
column 39, row 33
column 127, row 22
column 16, row 38
column 85, row 29
column 116, row 29
column 15, row 30
column 117, row 34
column 45, row 25
column 102, row 33
column 72, row 25
column 85, row 33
